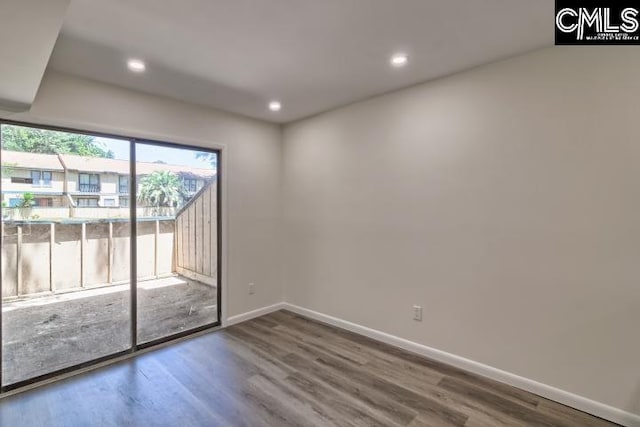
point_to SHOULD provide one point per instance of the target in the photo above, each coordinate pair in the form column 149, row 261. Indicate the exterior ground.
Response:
column 45, row 334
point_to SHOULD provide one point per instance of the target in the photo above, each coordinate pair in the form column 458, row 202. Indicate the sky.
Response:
column 152, row 153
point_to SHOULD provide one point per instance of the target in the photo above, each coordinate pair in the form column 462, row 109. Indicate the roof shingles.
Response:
column 24, row 160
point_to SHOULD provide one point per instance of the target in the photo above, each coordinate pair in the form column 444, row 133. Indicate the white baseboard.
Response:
column 253, row 313
column 573, row 400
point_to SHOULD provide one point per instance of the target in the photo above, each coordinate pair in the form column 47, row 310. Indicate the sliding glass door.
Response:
column 101, row 254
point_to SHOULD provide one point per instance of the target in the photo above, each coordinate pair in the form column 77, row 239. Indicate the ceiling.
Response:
column 33, row 25
column 312, row 55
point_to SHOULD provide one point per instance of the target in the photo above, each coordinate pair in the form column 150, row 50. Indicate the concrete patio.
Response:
column 48, row 333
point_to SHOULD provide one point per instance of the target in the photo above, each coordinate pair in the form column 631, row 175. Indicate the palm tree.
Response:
column 24, row 205
column 26, row 201
column 162, row 189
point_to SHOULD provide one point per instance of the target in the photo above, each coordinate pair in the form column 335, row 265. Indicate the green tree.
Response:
column 7, row 169
column 210, row 157
column 162, row 189
column 27, row 200
column 32, row 140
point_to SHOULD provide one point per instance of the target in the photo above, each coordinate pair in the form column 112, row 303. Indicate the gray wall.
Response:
column 505, row 200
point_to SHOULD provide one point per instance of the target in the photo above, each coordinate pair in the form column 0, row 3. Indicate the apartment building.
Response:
column 66, row 180
column 43, row 175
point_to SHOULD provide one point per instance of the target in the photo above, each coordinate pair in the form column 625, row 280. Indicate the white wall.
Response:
column 505, row 200
column 250, row 171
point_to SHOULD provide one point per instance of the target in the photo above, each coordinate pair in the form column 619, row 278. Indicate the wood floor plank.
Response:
column 373, row 398
column 266, row 321
column 430, row 408
column 307, row 409
column 519, row 412
column 377, row 350
column 192, row 371
column 280, row 410
column 570, row 415
column 284, row 370
column 351, row 410
column 311, row 345
column 372, row 351
column 264, row 361
column 279, row 347
column 479, row 415
column 329, row 351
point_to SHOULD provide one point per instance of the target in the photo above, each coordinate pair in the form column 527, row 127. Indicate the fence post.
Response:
column 82, row 254
column 155, row 249
column 52, row 245
column 110, row 254
column 174, row 257
column 19, row 260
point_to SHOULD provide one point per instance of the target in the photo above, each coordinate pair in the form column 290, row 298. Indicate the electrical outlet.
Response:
column 252, row 288
column 417, row 313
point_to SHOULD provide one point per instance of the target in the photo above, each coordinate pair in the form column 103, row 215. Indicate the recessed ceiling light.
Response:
column 275, row 106
column 399, row 60
column 136, row 65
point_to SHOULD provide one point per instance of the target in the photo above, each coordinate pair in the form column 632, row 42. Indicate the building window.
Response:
column 14, row 202
column 89, row 183
column 87, row 203
column 44, row 202
column 191, row 185
column 123, row 184
column 41, row 178
column 16, row 180
column 124, row 202
column 109, row 202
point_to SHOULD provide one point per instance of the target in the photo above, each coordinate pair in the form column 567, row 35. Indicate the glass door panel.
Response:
column 65, row 251
column 177, row 240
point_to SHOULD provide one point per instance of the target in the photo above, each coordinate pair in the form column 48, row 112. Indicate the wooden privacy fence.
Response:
column 38, row 212
column 40, row 257
column 197, row 237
